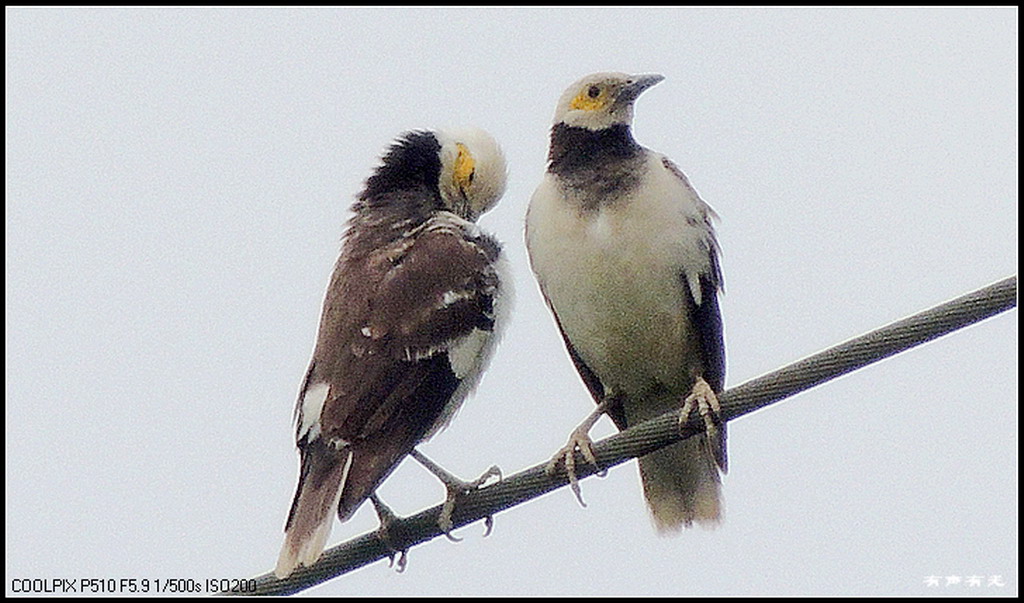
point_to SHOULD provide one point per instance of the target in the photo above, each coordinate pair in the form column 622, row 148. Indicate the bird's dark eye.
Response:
column 593, row 91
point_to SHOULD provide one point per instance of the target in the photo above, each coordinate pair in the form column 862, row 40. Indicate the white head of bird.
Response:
column 473, row 171
column 601, row 100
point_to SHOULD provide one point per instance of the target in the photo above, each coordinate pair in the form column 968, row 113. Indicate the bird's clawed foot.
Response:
column 387, row 518
column 456, row 489
column 706, row 401
column 580, row 440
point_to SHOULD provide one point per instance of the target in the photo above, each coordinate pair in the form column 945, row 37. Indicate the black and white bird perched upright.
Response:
column 626, row 258
column 409, row 321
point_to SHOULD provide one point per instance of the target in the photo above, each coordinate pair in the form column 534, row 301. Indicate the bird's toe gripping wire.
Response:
column 387, row 519
column 580, row 440
column 456, row 488
column 704, row 399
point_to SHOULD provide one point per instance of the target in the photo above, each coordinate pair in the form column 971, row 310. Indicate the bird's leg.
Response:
column 387, row 518
column 704, row 399
column 580, row 439
column 456, row 488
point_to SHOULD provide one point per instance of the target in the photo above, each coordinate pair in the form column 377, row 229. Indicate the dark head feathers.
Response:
column 411, row 162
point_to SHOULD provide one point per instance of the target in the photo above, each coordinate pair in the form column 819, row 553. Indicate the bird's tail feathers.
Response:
column 321, row 482
column 682, row 485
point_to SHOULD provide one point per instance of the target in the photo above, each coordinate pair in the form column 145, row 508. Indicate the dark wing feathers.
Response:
column 440, row 289
column 397, row 424
column 707, row 319
column 388, row 320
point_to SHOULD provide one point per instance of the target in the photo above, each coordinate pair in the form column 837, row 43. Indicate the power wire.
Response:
column 651, row 435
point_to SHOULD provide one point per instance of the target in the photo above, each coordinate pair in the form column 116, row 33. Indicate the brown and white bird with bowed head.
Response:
column 409, row 321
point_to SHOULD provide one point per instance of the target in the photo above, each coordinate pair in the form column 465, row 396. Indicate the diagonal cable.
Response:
column 655, row 433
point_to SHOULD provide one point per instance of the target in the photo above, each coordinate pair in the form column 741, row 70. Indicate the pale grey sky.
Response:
column 176, row 185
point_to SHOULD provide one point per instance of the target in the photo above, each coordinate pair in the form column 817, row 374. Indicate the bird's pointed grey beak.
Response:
column 637, row 84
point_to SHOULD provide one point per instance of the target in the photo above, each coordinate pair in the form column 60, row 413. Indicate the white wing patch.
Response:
column 453, row 297
column 309, row 411
column 464, row 353
column 693, row 281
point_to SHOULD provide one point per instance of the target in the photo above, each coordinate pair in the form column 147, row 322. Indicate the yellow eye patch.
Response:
column 591, row 98
column 464, row 166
